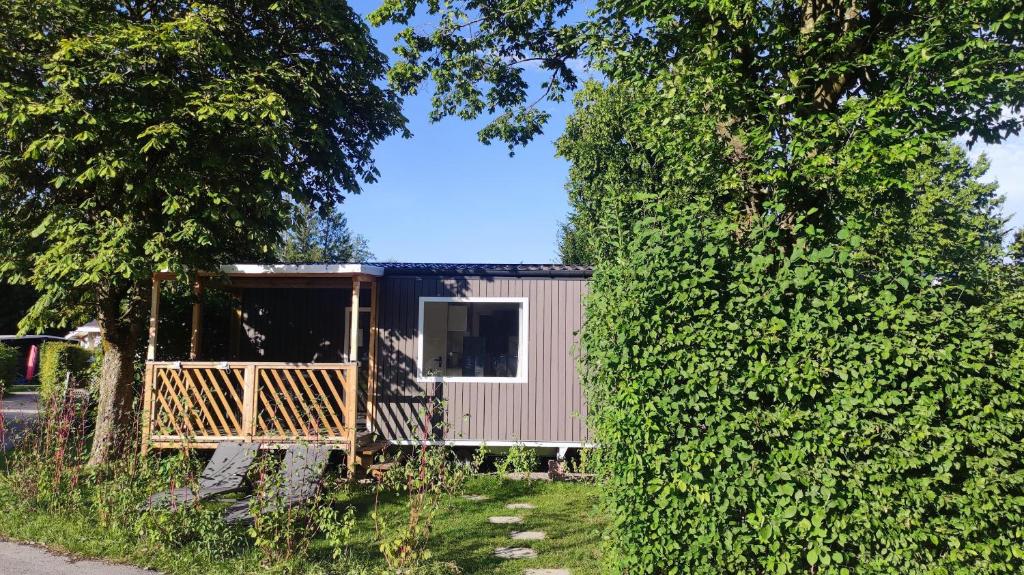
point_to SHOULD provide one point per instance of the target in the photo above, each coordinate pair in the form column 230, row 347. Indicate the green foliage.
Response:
column 424, row 478
column 150, row 140
column 587, row 463
column 316, row 237
column 479, row 458
column 476, row 55
column 573, row 246
column 59, row 361
column 8, row 367
column 462, row 538
column 135, row 138
column 519, row 460
column 283, row 533
column 802, row 351
column 825, row 407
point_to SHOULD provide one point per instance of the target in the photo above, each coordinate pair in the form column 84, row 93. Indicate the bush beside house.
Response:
column 56, row 361
column 8, row 367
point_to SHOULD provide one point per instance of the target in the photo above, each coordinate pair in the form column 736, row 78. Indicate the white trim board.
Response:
column 522, row 361
column 485, row 443
column 261, row 269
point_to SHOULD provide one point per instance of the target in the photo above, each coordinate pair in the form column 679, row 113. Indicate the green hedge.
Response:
column 56, row 361
column 8, row 367
column 816, row 410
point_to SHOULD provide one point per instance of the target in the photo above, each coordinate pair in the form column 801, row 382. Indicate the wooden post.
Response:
column 352, row 391
column 371, row 371
column 353, row 342
column 154, row 318
column 197, row 321
column 249, row 401
column 235, row 331
column 351, row 412
column 147, row 393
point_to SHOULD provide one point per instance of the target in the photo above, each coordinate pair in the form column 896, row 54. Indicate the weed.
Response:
column 519, row 460
column 424, row 478
column 479, row 457
column 282, row 531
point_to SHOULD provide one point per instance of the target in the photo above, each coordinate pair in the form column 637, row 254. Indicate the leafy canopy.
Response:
column 136, row 136
column 794, row 356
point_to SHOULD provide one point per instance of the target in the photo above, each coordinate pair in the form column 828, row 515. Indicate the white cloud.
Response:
column 1007, row 168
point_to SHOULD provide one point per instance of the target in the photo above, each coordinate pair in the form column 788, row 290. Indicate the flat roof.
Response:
column 484, row 269
column 378, row 269
column 302, row 269
column 407, row 268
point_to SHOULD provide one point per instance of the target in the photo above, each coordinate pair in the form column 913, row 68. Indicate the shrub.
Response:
column 817, row 409
column 519, row 460
column 282, row 533
column 58, row 360
column 8, row 367
column 423, row 478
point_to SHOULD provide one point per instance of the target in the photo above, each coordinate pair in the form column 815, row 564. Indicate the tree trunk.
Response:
column 120, row 325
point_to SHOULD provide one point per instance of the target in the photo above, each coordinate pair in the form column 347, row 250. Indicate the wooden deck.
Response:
column 200, row 403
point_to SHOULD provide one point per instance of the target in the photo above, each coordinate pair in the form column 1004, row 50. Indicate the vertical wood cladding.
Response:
column 549, row 407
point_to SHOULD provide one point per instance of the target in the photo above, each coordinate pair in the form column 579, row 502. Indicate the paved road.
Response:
column 19, row 410
column 19, row 559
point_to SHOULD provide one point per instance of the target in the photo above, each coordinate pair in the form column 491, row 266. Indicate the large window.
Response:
column 473, row 339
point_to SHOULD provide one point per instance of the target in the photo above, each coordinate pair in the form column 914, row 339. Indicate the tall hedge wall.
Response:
column 8, row 367
column 56, row 361
column 813, row 409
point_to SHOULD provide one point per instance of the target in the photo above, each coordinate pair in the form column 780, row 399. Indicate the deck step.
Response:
column 377, row 470
column 374, row 447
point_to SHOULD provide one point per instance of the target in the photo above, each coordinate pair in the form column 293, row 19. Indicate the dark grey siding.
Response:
column 548, row 408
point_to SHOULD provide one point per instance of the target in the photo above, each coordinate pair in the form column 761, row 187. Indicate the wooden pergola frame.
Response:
column 279, row 276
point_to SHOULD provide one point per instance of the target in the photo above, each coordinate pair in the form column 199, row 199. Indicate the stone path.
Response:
column 505, row 519
column 515, row 553
column 518, row 552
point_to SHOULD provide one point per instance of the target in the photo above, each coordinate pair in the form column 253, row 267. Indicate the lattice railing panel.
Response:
column 196, row 402
column 308, row 402
column 201, row 403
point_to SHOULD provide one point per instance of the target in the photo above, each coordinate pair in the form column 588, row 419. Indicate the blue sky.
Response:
column 445, row 197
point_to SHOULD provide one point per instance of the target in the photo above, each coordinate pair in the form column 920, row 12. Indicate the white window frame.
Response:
column 523, row 363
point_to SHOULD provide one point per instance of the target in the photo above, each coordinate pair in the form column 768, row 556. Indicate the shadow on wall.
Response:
column 305, row 325
column 408, row 408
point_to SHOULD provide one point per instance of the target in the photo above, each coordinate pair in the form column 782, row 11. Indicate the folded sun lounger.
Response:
column 224, row 473
column 299, row 480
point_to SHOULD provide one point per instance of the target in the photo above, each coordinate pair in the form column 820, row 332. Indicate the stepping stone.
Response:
column 521, row 506
column 515, row 553
column 475, row 497
column 505, row 519
column 528, row 535
column 547, row 572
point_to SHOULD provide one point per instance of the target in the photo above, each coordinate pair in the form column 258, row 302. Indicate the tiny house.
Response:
column 355, row 355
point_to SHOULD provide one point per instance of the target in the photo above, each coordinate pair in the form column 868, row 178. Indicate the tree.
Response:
column 136, row 136
column 572, row 244
column 313, row 237
column 793, row 355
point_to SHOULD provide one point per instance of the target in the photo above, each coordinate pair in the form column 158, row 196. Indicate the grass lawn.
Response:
column 567, row 512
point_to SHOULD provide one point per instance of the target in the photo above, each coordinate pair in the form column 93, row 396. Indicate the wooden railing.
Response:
column 199, row 403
